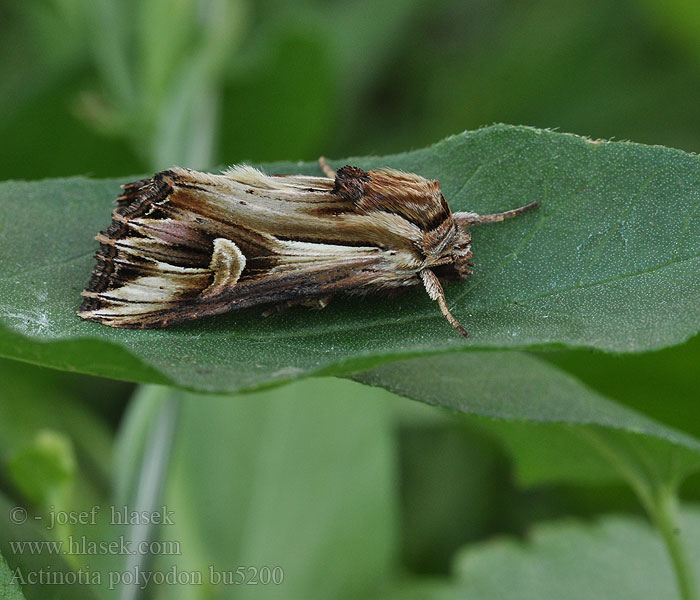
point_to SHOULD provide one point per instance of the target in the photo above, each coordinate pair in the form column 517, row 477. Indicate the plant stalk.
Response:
column 667, row 519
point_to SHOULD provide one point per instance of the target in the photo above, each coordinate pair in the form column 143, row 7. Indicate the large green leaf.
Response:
column 642, row 380
column 610, row 261
column 618, row 557
column 547, row 418
column 558, row 429
column 295, row 477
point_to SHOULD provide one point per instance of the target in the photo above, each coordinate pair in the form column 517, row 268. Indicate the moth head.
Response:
column 460, row 252
column 455, row 261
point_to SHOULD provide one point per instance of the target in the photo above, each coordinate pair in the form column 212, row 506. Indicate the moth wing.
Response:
column 185, row 245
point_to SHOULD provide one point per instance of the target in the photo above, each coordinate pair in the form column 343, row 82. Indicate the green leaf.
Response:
column 304, row 476
column 547, row 418
column 41, row 567
column 617, row 557
column 9, row 588
column 557, row 429
column 609, row 261
column 292, row 477
column 454, row 484
column 640, row 380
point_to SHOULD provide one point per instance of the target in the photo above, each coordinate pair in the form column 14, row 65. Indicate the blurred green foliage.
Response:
column 110, row 88
column 105, row 88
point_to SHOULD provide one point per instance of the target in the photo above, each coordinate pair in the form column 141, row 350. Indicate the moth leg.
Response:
column 466, row 219
column 318, row 303
column 434, row 288
column 278, row 308
column 326, row 168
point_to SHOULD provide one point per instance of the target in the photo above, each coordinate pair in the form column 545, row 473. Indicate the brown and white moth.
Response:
column 185, row 244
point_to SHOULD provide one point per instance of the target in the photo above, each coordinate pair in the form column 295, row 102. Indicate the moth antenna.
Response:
column 326, row 168
column 434, row 288
column 467, row 219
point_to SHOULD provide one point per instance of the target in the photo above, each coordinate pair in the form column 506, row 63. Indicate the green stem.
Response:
column 156, row 463
column 666, row 517
column 657, row 493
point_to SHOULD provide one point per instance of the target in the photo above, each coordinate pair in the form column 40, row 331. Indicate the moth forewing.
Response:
column 185, row 244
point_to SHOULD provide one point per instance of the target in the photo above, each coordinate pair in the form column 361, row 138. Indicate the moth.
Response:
column 184, row 244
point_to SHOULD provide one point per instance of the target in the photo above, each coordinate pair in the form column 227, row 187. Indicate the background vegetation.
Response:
column 566, row 455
